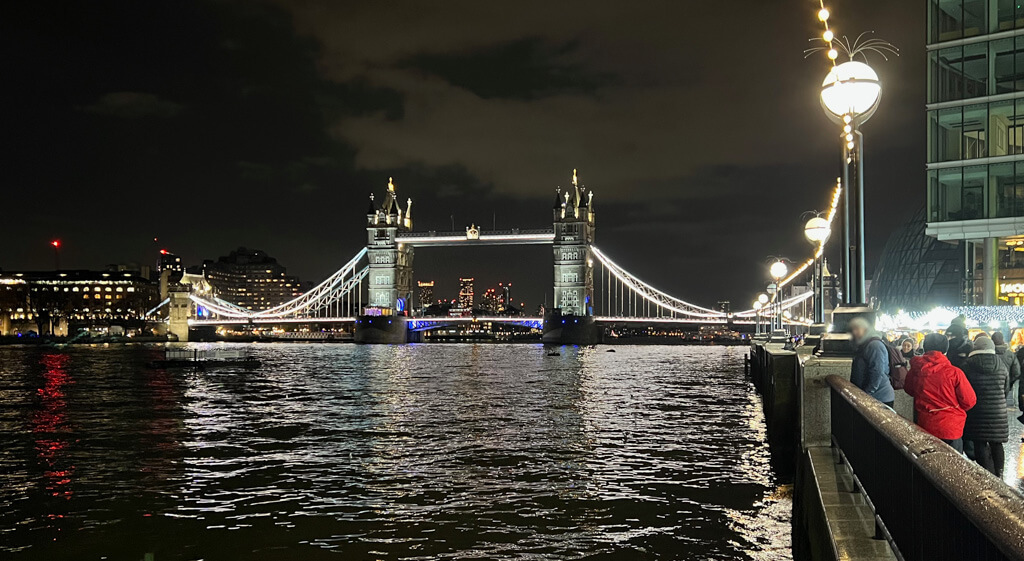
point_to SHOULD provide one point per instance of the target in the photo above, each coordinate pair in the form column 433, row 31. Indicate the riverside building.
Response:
column 975, row 162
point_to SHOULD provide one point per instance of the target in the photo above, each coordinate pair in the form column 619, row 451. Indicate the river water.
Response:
column 387, row 452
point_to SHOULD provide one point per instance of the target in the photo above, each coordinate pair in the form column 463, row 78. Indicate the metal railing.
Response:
column 930, row 502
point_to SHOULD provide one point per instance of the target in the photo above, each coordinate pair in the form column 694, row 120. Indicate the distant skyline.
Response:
column 213, row 125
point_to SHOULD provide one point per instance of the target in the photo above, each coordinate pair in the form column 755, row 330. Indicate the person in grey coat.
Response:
column 986, row 424
column 1012, row 364
column 870, row 369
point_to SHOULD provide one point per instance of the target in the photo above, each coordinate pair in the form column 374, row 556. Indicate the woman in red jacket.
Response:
column 942, row 395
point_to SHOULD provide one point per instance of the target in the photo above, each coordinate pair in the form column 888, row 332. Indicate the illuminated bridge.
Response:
column 374, row 289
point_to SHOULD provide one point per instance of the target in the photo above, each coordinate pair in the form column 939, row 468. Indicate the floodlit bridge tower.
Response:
column 571, row 320
column 390, row 272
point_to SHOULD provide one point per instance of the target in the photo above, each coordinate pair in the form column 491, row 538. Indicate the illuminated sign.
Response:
column 1012, row 288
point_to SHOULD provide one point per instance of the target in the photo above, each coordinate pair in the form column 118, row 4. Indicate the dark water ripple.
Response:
column 415, row 452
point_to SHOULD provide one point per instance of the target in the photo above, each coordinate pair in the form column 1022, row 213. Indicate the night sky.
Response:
column 213, row 125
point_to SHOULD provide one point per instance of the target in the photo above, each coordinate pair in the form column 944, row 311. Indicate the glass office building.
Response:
column 917, row 272
column 976, row 133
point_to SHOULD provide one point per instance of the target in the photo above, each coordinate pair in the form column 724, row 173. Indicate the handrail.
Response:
column 861, row 426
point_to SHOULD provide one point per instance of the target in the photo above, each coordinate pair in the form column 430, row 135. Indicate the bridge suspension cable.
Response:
column 622, row 294
column 340, row 295
column 786, row 304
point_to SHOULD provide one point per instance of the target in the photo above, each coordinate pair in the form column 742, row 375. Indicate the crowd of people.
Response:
column 960, row 387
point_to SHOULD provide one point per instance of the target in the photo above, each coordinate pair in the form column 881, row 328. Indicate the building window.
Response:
column 570, row 299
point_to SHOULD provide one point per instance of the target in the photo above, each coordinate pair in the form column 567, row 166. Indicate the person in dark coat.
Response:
column 870, row 369
column 986, row 424
column 1010, row 360
column 959, row 345
column 942, row 395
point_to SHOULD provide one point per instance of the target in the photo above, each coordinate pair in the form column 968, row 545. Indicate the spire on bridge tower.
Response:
column 576, row 195
column 408, row 214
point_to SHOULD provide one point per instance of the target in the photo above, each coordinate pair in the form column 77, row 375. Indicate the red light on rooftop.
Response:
column 55, row 243
column 163, row 252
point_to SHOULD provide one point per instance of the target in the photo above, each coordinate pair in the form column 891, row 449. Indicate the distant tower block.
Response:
column 574, row 233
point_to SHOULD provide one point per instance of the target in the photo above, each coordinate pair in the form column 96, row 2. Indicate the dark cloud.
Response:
column 133, row 104
column 214, row 124
column 524, row 69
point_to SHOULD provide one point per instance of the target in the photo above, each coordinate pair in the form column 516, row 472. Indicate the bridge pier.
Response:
column 569, row 329
column 381, row 330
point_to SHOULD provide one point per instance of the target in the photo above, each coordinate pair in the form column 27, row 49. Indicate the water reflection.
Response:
column 412, row 452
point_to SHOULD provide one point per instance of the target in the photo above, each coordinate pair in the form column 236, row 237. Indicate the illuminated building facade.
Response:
column 390, row 275
column 976, row 136
column 490, row 301
column 466, row 294
column 169, row 262
column 505, row 297
column 426, row 294
column 251, row 279
column 574, row 234
column 60, row 302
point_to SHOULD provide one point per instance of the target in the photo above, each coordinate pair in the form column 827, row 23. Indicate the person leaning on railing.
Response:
column 870, row 369
column 942, row 395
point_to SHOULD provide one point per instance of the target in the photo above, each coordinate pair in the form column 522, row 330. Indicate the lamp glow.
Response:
column 850, row 89
column 817, row 230
column 778, row 270
column 762, row 298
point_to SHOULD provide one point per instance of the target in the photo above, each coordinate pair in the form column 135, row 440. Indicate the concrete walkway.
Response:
column 1013, row 473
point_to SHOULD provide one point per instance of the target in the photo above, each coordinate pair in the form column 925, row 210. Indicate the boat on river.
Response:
column 205, row 358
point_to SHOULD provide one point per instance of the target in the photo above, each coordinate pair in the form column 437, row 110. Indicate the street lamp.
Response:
column 757, row 317
column 763, row 300
column 817, row 231
column 778, row 271
column 849, row 95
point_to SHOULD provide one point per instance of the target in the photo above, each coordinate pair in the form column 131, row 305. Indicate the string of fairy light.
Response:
column 820, row 249
column 828, row 35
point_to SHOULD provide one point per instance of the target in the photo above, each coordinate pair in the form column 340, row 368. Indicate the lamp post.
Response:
column 778, row 271
column 849, row 96
column 757, row 317
column 817, row 231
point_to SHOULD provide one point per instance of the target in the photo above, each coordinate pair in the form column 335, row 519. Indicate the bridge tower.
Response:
column 571, row 320
column 383, row 320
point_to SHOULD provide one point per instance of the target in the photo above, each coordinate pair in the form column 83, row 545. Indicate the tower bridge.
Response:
column 590, row 290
